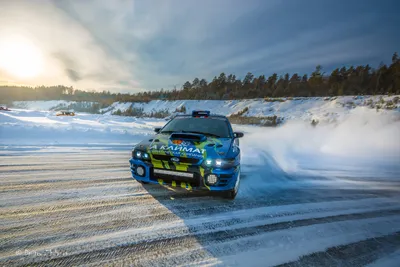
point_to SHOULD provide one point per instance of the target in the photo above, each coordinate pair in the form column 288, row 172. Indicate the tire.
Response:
column 231, row 194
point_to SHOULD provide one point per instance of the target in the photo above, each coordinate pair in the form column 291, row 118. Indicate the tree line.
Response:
column 353, row 80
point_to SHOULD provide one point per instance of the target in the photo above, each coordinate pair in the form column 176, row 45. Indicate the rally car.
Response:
column 197, row 152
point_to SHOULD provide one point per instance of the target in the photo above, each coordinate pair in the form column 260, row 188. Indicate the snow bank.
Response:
column 54, row 105
column 39, row 105
column 323, row 109
column 320, row 108
column 43, row 127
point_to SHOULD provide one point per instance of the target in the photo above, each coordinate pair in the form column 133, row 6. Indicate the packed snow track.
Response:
column 70, row 206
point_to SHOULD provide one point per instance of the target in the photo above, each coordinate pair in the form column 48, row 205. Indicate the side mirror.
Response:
column 157, row 129
column 238, row 134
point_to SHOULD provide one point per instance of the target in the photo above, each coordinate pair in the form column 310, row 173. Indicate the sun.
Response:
column 20, row 58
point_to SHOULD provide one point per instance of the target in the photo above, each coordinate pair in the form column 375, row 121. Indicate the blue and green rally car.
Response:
column 196, row 152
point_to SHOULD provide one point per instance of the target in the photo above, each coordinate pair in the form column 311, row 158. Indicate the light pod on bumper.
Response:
column 212, row 179
column 140, row 171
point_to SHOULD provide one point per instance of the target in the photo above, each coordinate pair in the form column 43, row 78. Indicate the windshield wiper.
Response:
column 178, row 131
column 197, row 132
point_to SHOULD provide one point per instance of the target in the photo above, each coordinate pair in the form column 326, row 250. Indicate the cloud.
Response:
column 73, row 75
column 69, row 67
column 127, row 45
column 71, row 53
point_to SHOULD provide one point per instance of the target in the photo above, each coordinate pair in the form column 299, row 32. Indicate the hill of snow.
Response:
column 39, row 105
column 300, row 108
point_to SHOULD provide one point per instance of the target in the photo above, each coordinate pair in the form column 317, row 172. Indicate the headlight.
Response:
column 219, row 163
column 138, row 154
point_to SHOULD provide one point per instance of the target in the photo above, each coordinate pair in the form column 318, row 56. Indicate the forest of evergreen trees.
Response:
column 353, row 80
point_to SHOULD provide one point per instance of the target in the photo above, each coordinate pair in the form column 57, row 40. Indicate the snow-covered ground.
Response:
column 69, row 206
column 311, row 196
column 44, row 127
column 360, row 132
column 363, row 137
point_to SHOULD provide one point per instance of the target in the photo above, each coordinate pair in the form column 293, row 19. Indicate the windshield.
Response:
column 209, row 126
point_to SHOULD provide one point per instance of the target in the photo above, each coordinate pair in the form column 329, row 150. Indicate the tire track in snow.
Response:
column 45, row 185
column 100, row 216
column 150, row 252
column 355, row 254
column 235, row 226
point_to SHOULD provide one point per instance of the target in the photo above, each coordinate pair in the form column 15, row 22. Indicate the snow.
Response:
column 39, row 105
column 361, row 140
column 116, row 106
column 361, row 149
column 303, row 190
column 285, row 246
column 44, row 127
column 391, row 260
column 323, row 109
column 323, row 236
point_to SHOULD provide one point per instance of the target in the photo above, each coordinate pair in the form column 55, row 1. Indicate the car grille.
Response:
column 224, row 179
column 168, row 176
column 181, row 160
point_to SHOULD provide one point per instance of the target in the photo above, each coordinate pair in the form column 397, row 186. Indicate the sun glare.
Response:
column 20, row 58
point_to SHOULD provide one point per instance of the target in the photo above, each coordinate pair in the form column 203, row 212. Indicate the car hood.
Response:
column 189, row 145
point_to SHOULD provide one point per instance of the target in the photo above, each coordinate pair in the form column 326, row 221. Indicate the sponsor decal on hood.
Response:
column 179, row 148
column 211, row 147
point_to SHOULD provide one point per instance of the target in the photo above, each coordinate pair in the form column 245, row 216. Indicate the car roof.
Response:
column 216, row 116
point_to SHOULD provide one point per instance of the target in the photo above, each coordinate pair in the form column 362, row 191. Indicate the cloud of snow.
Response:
column 364, row 134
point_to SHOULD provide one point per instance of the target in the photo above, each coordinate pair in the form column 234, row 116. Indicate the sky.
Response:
column 136, row 45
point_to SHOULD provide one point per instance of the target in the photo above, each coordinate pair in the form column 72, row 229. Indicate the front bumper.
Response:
column 226, row 177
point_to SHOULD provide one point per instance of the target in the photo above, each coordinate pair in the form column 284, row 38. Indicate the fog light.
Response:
column 146, row 156
column 212, row 179
column 138, row 154
column 140, row 171
column 208, row 162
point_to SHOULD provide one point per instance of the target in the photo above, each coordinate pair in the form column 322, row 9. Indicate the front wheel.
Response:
column 231, row 194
